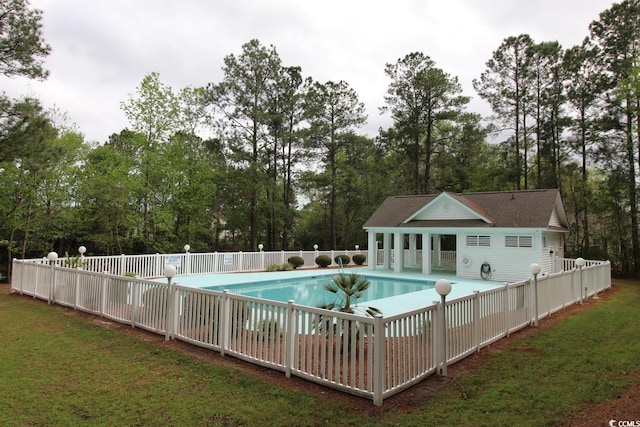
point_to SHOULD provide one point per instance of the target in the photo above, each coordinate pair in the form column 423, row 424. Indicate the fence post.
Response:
column 476, row 320
column 103, row 294
column 175, row 309
column 52, row 257
column 290, row 339
column 135, row 303
column 378, row 359
column 574, row 284
column 579, row 262
column 123, row 267
column 37, row 279
column 547, row 292
column 14, row 262
column 76, row 291
column 158, row 265
column 187, row 260
column 505, row 304
column 562, row 289
column 13, row 270
column 169, row 272
column 436, row 331
column 225, row 327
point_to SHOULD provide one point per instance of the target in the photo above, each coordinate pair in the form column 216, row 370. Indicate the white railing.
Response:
column 443, row 260
column 370, row 357
column 152, row 265
column 440, row 260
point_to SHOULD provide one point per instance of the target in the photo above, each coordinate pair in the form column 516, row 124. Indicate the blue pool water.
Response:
column 390, row 292
column 310, row 290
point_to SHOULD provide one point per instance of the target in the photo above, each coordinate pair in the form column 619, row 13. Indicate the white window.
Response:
column 518, row 241
column 478, row 240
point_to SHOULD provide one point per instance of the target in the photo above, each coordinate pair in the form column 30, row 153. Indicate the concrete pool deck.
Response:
column 389, row 306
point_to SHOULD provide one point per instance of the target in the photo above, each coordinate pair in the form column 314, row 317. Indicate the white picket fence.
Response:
column 370, row 357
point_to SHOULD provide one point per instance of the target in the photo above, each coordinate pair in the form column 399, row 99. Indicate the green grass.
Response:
column 57, row 369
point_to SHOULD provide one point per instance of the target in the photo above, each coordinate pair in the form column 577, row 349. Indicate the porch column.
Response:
column 386, row 250
column 372, row 250
column 426, row 253
column 437, row 247
column 413, row 247
column 398, row 252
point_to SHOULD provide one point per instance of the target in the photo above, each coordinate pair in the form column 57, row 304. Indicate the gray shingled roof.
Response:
column 528, row 208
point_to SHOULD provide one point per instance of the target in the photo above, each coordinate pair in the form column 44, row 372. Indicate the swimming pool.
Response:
column 310, row 290
column 390, row 302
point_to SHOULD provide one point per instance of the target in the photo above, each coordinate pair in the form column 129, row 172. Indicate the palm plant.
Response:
column 348, row 289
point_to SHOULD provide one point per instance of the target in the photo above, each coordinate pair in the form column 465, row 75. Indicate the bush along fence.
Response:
column 374, row 358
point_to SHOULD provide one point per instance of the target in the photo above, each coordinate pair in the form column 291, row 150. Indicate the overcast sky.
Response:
column 101, row 50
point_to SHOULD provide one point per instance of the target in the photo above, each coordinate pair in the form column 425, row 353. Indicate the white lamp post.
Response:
column 315, row 247
column 81, row 251
column 535, row 270
column 169, row 272
column 357, row 248
column 187, row 259
column 52, row 257
column 260, row 247
column 580, row 263
column 443, row 287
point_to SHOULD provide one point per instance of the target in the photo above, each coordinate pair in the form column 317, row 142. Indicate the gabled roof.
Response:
column 440, row 208
column 528, row 209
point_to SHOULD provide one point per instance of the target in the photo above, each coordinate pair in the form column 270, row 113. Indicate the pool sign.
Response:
column 228, row 259
column 174, row 260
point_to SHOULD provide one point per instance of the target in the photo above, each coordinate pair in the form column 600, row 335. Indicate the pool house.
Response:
column 489, row 235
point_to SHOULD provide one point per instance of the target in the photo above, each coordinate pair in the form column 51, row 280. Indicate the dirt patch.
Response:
column 625, row 407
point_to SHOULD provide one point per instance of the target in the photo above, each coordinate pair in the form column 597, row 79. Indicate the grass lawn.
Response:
column 61, row 369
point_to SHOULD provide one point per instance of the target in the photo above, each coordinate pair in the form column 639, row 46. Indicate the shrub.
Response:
column 287, row 266
column 280, row 267
column 344, row 259
column 73, row 261
column 296, row 261
column 359, row 259
column 323, row 260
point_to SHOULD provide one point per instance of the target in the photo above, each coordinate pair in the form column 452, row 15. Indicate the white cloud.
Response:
column 102, row 50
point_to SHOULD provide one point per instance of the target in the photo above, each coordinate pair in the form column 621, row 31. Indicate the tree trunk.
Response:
column 635, row 250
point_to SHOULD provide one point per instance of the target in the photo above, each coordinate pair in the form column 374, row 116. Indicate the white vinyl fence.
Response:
column 370, row 357
column 152, row 265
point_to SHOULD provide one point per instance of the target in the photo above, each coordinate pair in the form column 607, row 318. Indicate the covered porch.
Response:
column 427, row 252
